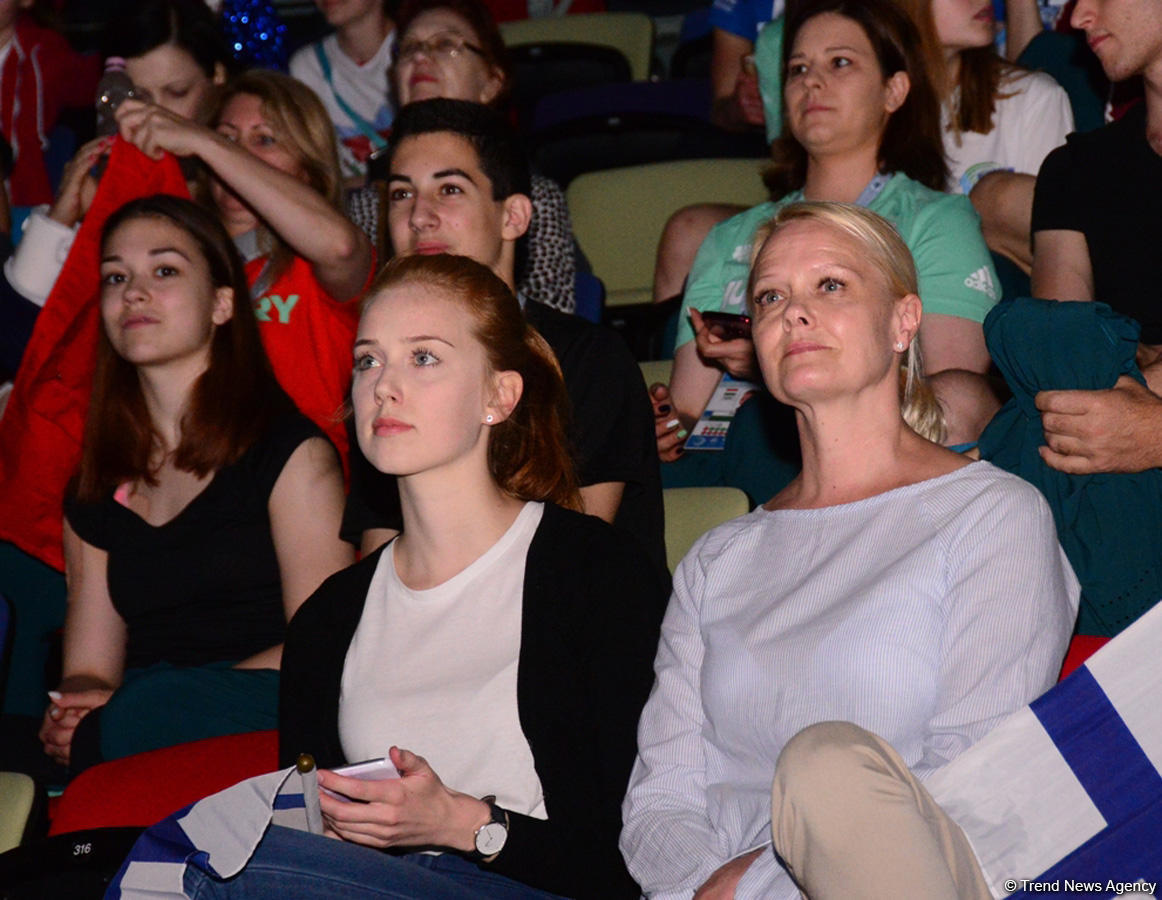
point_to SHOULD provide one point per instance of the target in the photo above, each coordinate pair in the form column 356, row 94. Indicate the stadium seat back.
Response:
column 629, row 33
column 693, row 511
column 618, row 215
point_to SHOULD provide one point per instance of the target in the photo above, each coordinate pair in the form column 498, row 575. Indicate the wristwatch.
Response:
column 490, row 836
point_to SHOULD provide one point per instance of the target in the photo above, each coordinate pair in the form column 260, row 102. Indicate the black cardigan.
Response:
column 590, row 618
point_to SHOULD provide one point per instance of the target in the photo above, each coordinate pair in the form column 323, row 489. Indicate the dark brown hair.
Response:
column 137, row 27
column 911, row 142
column 981, row 73
column 480, row 20
column 231, row 403
column 528, row 453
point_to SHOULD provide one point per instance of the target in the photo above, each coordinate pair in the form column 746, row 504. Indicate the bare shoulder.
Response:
column 314, row 458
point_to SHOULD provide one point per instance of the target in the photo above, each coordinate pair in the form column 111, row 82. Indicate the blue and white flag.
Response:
column 1064, row 798
column 217, row 834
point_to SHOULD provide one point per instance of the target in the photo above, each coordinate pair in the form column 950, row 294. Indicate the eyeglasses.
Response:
column 446, row 45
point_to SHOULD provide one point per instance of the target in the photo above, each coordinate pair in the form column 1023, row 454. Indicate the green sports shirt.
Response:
column 955, row 271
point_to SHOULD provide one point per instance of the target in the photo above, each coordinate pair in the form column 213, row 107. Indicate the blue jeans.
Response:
column 290, row 863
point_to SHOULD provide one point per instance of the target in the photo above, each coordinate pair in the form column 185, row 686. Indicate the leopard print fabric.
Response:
column 551, row 267
column 362, row 206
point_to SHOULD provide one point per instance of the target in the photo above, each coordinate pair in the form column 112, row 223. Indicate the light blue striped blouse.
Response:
column 924, row 614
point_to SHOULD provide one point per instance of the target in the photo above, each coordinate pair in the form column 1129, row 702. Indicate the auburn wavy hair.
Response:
column 529, row 455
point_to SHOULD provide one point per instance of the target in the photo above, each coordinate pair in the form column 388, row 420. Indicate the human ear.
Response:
column 223, row 310
column 492, row 86
column 219, row 76
column 896, row 91
column 518, row 212
column 507, row 388
column 906, row 321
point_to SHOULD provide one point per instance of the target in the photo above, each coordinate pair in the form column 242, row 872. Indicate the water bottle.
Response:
column 114, row 86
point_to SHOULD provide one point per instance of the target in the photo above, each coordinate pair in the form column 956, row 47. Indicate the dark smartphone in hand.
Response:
column 727, row 326
column 377, row 165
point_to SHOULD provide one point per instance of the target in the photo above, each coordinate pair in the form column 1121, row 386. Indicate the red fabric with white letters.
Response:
column 308, row 337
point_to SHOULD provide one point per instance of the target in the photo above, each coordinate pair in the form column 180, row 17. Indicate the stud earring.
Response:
column 900, row 346
column 488, row 418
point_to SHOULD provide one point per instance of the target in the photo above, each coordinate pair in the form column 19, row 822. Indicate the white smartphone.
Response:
column 369, row 770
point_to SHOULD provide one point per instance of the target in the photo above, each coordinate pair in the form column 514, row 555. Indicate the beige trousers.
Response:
column 852, row 823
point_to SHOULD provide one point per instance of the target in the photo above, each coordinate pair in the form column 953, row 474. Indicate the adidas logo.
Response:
column 982, row 280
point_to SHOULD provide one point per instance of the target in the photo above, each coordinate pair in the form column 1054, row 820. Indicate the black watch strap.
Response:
column 492, row 835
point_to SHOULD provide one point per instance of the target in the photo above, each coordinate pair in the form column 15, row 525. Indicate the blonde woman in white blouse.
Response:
column 893, row 585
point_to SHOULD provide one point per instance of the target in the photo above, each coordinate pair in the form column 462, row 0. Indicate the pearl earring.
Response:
column 488, row 418
column 900, row 346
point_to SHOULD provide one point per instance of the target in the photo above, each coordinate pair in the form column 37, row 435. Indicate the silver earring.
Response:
column 900, row 346
column 488, row 418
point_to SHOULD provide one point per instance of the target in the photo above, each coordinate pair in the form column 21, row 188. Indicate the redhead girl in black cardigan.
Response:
column 499, row 650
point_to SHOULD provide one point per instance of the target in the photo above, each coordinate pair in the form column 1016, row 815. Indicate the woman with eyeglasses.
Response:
column 453, row 49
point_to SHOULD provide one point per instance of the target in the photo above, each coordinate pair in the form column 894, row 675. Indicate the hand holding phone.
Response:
column 727, row 326
column 369, row 770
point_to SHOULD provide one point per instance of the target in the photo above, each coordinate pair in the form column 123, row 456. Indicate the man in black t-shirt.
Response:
column 459, row 183
column 1097, row 230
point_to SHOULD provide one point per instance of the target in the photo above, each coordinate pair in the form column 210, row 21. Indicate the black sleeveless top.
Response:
column 205, row 586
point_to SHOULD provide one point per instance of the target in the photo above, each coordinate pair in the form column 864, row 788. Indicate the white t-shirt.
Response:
column 362, row 87
column 1026, row 126
column 434, row 671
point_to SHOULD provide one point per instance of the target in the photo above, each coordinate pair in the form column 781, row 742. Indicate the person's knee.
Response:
column 686, row 229
column 679, row 234
column 822, row 760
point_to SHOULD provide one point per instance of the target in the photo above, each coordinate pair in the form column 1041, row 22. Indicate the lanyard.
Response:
column 367, row 129
column 874, row 188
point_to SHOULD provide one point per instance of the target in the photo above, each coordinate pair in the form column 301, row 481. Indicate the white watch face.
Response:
column 491, row 838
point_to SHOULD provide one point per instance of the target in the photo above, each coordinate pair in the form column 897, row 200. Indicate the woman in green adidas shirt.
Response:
column 863, row 126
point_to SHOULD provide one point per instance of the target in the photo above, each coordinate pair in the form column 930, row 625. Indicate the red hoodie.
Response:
column 41, row 76
column 40, row 433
